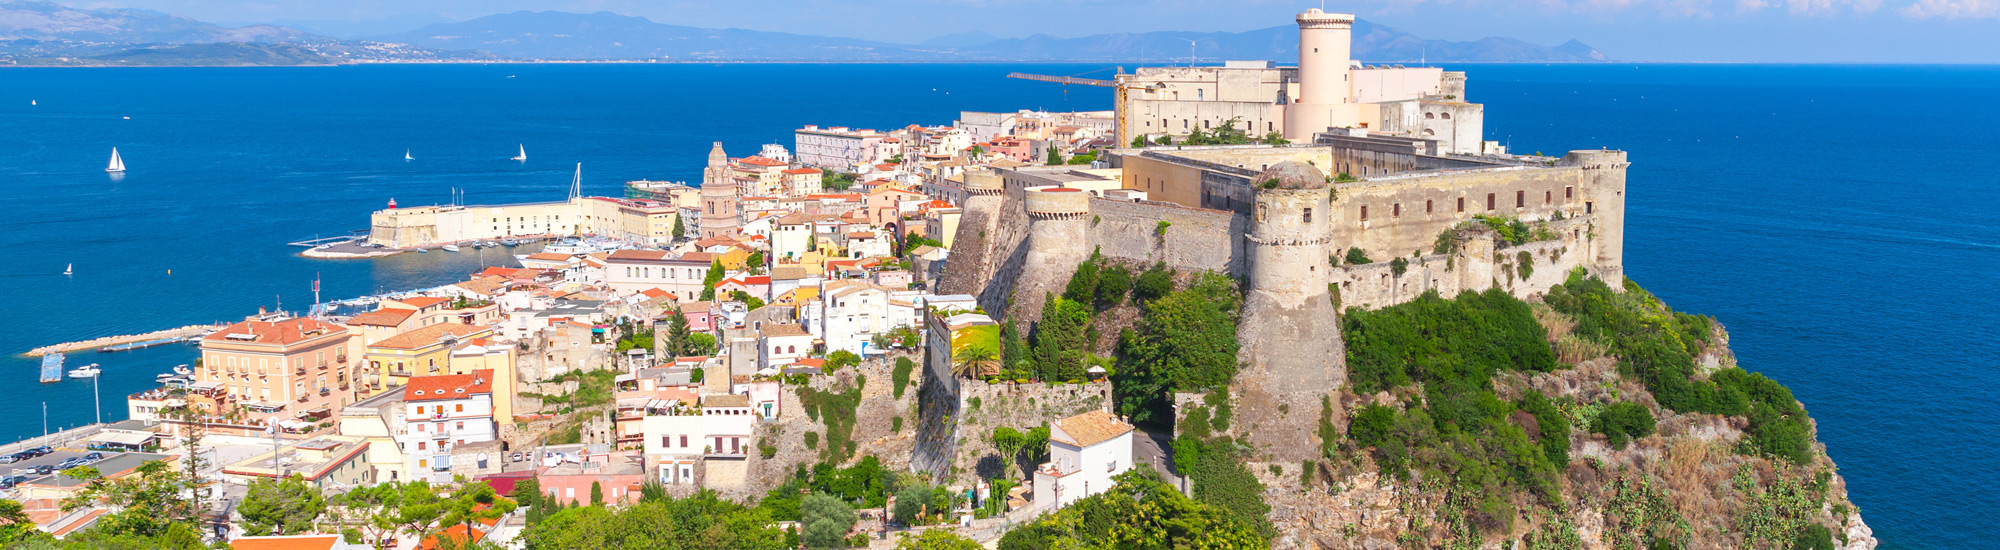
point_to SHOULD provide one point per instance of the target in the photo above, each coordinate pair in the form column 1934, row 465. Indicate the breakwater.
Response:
column 94, row 343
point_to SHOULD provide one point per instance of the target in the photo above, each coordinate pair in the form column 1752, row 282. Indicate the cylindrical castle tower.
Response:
column 1056, row 225
column 1289, row 236
column 1324, row 87
column 1603, row 190
column 982, row 181
column 1289, row 333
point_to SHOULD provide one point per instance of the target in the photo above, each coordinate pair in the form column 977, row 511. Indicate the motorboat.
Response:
column 509, row 242
column 424, row 250
column 183, row 370
column 86, row 371
column 450, row 248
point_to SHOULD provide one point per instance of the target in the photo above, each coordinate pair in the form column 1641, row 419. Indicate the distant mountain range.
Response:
column 36, row 32
column 606, row 35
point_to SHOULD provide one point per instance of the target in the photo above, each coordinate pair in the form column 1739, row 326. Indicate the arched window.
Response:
column 1446, row 116
column 1430, row 116
column 791, row 349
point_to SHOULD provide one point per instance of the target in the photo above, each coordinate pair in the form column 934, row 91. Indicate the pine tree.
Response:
column 1055, row 157
column 596, row 494
column 680, row 229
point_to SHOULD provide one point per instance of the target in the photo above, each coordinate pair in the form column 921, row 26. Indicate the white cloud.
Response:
column 1952, row 9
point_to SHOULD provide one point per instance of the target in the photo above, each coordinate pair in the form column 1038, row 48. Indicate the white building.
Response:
column 629, row 271
column 837, row 147
column 441, row 413
column 850, row 314
column 781, row 344
column 1085, row 452
column 678, row 435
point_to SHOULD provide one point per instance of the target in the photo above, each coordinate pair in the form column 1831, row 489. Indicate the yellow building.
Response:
column 424, row 351
column 288, row 368
column 478, row 354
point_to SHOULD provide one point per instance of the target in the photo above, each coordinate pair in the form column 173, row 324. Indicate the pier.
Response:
column 148, row 339
column 52, row 365
column 139, row 345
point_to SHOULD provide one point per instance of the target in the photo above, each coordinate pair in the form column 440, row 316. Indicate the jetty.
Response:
column 148, row 339
column 52, row 365
column 140, row 345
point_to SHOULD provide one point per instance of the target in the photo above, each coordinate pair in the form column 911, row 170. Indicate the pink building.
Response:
column 700, row 316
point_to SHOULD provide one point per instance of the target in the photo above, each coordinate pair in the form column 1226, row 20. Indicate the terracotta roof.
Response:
column 638, row 255
column 1092, row 428
column 783, row 329
column 656, row 292
column 294, row 542
column 421, row 302
column 486, row 285
column 427, row 336
column 861, row 235
column 803, row 171
column 725, row 400
column 704, row 257
column 550, row 257
column 760, row 161
column 284, row 333
column 495, row 271
column 382, row 318
column 697, row 306
column 448, row 386
column 461, row 534
column 757, row 280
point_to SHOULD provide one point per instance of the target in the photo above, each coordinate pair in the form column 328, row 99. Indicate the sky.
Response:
column 1809, row 31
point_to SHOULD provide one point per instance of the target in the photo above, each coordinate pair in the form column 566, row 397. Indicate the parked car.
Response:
column 71, row 462
column 45, row 469
column 12, row 458
column 94, row 456
column 39, row 451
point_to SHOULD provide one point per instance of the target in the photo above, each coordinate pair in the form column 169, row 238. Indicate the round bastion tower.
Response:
column 1324, row 99
column 1058, row 239
column 1290, row 338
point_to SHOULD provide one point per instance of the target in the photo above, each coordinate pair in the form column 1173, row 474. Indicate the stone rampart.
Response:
column 1477, row 265
column 1193, row 239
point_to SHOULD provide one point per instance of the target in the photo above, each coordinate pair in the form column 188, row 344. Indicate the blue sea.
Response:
column 1838, row 219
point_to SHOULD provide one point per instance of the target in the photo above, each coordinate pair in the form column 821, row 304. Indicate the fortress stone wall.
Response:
column 1278, row 229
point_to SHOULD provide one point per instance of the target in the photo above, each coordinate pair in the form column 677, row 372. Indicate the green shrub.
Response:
column 1620, row 421
column 812, row 440
column 1155, row 283
column 1399, row 266
column 1370, row 426
column 1185, row 341
column 901, row 374
column 1814, row 537
column 1112, row 285
column 896, row 424
column 1356, row 257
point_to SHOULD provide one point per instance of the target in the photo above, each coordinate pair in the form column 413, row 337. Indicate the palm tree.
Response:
column 973, row 360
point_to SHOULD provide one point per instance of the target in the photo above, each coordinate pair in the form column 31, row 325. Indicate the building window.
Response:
column 1520, row 198
column 1569, row 192
column 1364, row 212
column 684, row 441
column 1548, row 197
column 1396, row 210
column 422, row 445
column 1428, row 116
column 1427, row 206
column 1489, row 201
column 461, row 408
column 1461, row 205
column 1308, row 215
column 1589, row 207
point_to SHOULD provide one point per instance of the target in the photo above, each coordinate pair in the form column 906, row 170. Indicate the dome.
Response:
column 1290, row 174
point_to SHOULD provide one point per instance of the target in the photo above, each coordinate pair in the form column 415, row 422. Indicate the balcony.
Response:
column 322, row 366
column 323, row 392
column 301, row 371
column 304, row 398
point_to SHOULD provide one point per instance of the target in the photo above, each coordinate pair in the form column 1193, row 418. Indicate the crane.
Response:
column 1121, row 88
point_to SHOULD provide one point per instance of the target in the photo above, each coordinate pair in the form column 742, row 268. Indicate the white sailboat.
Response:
column 117, row 164
column 406, row 155
column 69, row 269
column 523, row 156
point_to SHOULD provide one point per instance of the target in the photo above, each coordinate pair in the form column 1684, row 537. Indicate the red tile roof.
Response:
column 421, row 302
column 284, row 333
column 382, row 318
column 448, row 386
column 427, row 336
column 760, row 161
column 802, row 171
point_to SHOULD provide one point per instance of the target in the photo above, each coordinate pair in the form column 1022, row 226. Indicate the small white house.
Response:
column 1085, row 452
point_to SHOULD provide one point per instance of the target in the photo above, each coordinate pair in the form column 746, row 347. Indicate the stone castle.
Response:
column 1283, row 218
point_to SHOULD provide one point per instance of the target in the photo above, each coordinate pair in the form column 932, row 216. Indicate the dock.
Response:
column 52, row 365
column 140, row 345
column 153, row 338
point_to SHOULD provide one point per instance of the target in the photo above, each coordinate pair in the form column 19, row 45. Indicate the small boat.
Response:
column 69, row 269
column 523, row 156
column 450, row 248
column 117, row 164
column 406, row 155
column 163, row 377
column 183, row 370
column 424, row 250
column 509, row 242
column 86, row 371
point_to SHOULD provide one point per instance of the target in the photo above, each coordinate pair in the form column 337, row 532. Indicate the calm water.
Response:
column 1837, row 219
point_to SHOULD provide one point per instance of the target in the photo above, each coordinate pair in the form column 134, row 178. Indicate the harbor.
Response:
column 126, row 342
